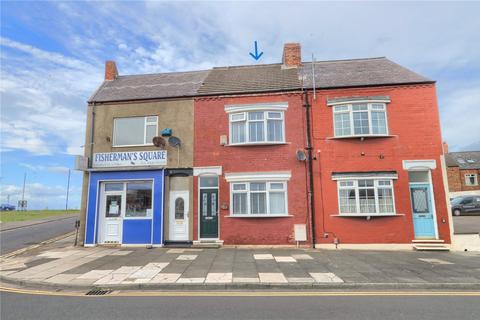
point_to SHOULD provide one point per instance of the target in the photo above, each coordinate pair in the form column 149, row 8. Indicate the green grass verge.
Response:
column 11, row 216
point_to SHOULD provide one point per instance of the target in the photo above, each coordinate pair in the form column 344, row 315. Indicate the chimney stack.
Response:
column 292, row 55
column 111, row 72
column 445, row 147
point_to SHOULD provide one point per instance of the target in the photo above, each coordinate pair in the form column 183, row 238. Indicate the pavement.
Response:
column 62, row 266
column 466, row 224
column 17, row 235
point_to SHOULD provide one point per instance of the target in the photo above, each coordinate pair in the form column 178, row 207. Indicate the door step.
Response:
column 428, row 241
column 215, row 244
column 430, row 247
column 178, row 244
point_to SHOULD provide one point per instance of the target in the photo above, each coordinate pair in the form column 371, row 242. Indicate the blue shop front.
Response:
column 126, row 198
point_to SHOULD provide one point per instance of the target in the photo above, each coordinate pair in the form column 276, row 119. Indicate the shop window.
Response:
column 134, row 131
column 139, row 199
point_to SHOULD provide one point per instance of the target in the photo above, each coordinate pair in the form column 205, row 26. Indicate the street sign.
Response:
column 22, row 205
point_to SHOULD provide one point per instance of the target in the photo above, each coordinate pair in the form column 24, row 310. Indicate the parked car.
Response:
column 466, row 205
column 7, row 207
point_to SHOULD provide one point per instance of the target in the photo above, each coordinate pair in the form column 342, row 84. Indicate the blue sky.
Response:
column 53, row 53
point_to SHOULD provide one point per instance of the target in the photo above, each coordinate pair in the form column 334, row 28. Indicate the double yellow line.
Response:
column 247, row 294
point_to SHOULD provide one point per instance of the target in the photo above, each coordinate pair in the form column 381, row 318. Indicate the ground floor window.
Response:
column 139, row 199
column 259, row 198
column 366, row 196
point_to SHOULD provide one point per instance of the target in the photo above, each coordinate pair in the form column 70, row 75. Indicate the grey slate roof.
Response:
column 150, row 86
column 358, row 72
column 464, row 160
column 255, row 78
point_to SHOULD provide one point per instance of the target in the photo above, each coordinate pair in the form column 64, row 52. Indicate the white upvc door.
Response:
column 112, row 211
column 178, row 215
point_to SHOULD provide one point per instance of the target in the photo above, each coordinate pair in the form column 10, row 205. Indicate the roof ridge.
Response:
column 345, row 60
column 159, row 73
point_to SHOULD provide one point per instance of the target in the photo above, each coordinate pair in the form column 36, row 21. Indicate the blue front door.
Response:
column 423, row 222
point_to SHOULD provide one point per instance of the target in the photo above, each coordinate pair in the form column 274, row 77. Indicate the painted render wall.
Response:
column 211, row 121
column 174, row 114
column 414, row 126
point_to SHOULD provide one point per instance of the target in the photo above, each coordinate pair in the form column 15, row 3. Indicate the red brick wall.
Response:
column 454, row 179
column 211, row 121
column 413, row 122
column 463, row 172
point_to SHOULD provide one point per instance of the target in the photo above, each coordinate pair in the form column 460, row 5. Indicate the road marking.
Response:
column 247, row 293
column 20, row 251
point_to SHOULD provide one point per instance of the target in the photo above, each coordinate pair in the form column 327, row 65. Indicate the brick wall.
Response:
column 414, row 126
column 211, row 121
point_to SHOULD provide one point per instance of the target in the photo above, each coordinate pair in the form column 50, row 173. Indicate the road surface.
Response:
column 25, row 306
column 14, row 239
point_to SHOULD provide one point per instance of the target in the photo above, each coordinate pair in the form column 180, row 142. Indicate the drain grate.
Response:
column 97, row 292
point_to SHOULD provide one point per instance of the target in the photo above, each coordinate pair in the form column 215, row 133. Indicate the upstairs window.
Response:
column 257, row 127
column 360, row 119
column 134, row 131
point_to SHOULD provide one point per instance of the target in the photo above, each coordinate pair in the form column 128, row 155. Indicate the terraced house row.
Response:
column 343, row 153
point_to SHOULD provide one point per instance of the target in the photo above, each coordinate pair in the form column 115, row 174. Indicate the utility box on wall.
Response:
column 300, row 232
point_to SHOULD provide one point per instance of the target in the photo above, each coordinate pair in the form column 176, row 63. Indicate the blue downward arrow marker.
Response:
column 257, row 55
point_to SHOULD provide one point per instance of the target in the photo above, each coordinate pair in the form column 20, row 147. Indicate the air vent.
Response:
column 97, row 292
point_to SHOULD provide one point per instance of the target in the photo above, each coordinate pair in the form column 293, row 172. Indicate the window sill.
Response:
column 367, row 216
column 249, row 144
column 134, row 145
column 363, row 137
column 259, row 216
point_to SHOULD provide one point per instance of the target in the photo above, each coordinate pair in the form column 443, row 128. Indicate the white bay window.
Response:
column 365, row 196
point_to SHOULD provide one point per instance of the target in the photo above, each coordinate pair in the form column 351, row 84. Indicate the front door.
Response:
column 112, row 214
column 178, row 216
column 208, row 213
column 423, row 222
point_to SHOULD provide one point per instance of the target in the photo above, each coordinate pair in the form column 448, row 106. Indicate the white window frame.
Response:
column 145, row 125
column 267, row 191
column 467, row 180
column 355, row 186
column 349, row 110
column 244, row 109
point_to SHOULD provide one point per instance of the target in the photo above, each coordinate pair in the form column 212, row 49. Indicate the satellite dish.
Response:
column 174, row 141
column 159, row 142
column 301, row 155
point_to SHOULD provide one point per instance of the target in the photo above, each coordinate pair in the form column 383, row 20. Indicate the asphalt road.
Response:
column 38, row 307
column 11, row 240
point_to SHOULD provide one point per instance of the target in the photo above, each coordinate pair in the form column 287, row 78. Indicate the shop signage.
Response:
column 129, row 159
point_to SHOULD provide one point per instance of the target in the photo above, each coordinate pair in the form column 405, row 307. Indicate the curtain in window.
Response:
column 342, row 124
column 238, row 132
column 348, row 202
column 379, row 123
column 274, row 130
column 277, row 202
column 360, row 122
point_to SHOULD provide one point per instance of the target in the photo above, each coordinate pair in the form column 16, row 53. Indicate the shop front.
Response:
column 125, row 206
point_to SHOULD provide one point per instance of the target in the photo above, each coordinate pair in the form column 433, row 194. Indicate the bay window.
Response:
column 365, row 196
column 134, row 131
column 360, row 119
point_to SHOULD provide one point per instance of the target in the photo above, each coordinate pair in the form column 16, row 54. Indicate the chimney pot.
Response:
column 292, row 55
column 111, row 72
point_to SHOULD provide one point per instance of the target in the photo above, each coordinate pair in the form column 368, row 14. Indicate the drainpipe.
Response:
column 310, row 167
column 92, row 132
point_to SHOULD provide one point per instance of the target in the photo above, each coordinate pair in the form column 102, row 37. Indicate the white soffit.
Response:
column 258, row 176
column 198, row 171
column 417, row 165
column 277, row 106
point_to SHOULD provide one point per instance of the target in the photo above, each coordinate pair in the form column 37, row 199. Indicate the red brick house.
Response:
column 463, row 171
column 377, row 156
column 249, row 125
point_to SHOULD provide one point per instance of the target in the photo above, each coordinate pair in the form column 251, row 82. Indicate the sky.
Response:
column 53, row 54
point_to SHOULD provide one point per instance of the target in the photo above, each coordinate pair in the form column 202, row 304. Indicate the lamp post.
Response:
column 68, row 189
